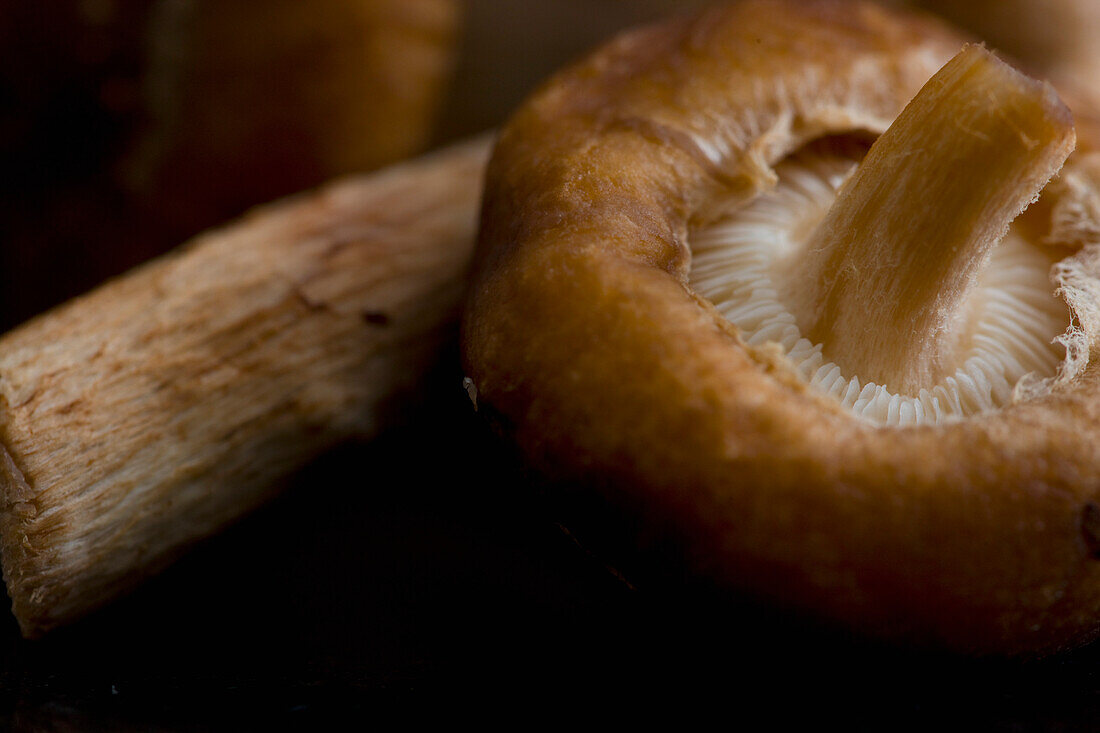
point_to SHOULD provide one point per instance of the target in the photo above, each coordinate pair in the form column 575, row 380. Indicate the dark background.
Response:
column 424, row 572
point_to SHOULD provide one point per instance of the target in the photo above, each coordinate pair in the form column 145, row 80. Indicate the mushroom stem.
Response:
column 163, row 406
column 883, row 282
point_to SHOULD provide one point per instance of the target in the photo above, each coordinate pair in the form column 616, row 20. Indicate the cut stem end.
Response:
column 883, row 283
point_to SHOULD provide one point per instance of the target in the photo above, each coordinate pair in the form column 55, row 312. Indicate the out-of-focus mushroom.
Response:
column 131, row 125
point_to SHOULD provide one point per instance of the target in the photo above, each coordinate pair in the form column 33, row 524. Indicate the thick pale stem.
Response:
column 167, row 403
column 883, row 283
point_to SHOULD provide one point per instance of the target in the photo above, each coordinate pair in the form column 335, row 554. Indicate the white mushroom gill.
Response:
column 1011, row 321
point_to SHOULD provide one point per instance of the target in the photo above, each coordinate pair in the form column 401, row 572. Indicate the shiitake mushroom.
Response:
column 758, row 277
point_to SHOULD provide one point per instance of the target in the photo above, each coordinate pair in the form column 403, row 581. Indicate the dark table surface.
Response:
column 421, row 568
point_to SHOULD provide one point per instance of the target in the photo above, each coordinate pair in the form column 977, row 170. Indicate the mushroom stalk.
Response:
column 161, row 407
column 884, row 280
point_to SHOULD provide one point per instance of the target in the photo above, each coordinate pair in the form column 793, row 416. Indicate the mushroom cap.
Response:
column 584, row 337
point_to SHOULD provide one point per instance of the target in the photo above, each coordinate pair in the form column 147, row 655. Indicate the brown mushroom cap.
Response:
column 583, row 335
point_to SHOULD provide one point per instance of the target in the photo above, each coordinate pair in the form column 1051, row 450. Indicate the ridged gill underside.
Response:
column 896, row 284
column 1012, row 322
